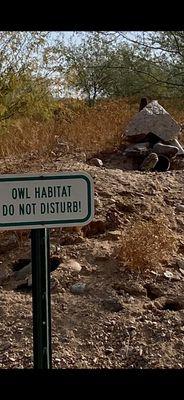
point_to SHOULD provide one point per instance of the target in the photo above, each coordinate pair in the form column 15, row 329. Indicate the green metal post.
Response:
column 41, row 298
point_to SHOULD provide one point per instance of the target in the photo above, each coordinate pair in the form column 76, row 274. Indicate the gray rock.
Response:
column 165, row 149
column 180, row 207
column 180, row 263
column 96, row 161
column 153, row 118
column 78, row 288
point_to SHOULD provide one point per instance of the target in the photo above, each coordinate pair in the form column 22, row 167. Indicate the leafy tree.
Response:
column 100, row 66
column 164, row 52
column 24, row 83
column 84, row 65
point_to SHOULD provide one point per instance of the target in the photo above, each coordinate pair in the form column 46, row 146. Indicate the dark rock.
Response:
column 112, row 304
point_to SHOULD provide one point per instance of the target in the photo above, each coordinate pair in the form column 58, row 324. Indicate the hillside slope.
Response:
column 127, row 316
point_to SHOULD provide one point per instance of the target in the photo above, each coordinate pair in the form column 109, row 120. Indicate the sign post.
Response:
column 41, row 299
column 39, row 202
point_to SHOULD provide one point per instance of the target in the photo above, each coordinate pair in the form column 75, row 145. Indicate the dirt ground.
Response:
column 126, row 318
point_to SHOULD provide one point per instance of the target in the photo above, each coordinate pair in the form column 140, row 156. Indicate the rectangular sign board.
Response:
column 45, row 201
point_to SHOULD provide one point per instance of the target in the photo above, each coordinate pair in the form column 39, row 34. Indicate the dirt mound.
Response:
column 126, row 316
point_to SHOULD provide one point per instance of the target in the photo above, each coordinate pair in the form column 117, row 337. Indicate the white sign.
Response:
column 45, row 201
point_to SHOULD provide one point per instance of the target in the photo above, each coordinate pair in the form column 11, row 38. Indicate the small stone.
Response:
column 78, row 288
column 112, row 305
column 64, row 339
column 11, row 358
column 96, row 161
column 181, row 270
column 140, row 351
column 109, row 350
column 154, row 272
column 113, row 235
column 168, row 274
column 73, row 265
column 180, row 263
column 180, row 207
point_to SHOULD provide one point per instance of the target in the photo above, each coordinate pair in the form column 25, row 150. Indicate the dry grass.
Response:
column 24, row 136
column 148, row 243
column 89, row 129
column 92, row 129
column 97, row 128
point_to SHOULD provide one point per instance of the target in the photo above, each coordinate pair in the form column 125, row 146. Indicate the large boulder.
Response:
column 153, row 118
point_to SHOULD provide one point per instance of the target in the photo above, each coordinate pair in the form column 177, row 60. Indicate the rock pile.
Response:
column 153, row 137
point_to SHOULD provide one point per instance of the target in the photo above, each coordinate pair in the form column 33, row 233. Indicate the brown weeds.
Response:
column 147, row 243
column 89, row 129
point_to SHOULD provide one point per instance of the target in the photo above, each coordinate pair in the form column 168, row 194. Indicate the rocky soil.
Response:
column 121, row 317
